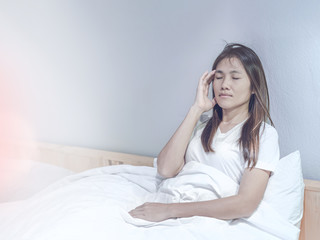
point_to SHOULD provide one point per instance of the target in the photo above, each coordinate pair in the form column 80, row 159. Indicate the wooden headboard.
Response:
column 310, row 224
column 79, row 159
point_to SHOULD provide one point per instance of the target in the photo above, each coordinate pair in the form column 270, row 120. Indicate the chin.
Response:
column 223, row 105
column 226, row 106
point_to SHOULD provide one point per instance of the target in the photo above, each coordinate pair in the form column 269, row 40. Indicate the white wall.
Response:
column 121, row 75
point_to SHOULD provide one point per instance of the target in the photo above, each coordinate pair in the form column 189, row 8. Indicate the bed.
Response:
column 78, row 159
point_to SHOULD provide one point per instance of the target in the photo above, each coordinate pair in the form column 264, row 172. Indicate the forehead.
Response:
column 230, row 64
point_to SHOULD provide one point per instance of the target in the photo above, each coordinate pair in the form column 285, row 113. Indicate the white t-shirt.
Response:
column 227, row 156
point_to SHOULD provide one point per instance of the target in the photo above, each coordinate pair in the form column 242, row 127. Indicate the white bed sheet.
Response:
column 95, row 204
column 39, row 176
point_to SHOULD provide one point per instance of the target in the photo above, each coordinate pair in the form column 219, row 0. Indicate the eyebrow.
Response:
column 234, row 71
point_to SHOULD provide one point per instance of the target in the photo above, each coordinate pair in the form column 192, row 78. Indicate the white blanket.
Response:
column 95, row 205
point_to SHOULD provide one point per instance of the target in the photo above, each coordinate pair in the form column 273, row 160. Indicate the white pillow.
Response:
column 285, row 190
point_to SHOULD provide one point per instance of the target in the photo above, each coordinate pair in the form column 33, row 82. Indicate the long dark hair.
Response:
column 258, row 104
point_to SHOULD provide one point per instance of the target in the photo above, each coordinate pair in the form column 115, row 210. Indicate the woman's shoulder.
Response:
column 268, row 131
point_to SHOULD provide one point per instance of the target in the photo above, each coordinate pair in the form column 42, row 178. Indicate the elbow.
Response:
column 162, row 171
column 165, row 173
column 248, row 208
column 166, row 170
column 248, row 212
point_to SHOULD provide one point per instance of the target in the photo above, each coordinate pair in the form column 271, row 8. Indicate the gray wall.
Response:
column 121, row 75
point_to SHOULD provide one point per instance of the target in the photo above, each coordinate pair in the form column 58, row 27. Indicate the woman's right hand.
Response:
column 202, row 101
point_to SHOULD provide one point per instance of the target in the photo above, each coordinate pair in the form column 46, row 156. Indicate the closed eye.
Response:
column 235, row 78
column 218, row 77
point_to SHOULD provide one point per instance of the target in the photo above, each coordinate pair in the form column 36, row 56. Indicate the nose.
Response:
column 225, row 83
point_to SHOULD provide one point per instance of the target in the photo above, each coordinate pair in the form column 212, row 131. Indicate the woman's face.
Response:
column 231, row 85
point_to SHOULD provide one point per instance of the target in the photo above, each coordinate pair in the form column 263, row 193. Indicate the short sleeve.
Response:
column 269, row 153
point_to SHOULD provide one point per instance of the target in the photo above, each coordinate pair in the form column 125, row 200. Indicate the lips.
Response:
column 225, row 95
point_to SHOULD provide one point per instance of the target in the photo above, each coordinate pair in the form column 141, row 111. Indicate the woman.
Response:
column 236, row 140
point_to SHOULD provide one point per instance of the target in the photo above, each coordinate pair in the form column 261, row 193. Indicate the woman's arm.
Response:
column 251, row 191
column 250, row 194
column 171, row 158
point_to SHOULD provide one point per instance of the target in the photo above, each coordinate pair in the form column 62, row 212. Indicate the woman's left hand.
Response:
column 153, row 212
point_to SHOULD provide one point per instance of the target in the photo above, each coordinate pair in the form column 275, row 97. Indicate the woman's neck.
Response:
column 234, row 117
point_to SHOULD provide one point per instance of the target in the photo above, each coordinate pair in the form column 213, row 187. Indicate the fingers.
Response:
column 210, row 76
column 207, row 77
column 139, row 215
column 136, row 213
column 141, row 212
column 138, row 210
column 205, row 81
column 204, row 75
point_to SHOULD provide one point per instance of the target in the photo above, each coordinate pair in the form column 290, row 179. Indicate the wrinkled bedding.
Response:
column 94, row 205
